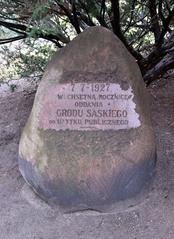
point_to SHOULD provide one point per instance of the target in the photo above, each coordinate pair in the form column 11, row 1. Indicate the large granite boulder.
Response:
column 89, row 140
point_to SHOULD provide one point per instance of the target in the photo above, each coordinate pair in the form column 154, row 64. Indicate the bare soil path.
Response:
column 24, row 215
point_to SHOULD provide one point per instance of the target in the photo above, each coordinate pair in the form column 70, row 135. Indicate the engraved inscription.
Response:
column 88, row 106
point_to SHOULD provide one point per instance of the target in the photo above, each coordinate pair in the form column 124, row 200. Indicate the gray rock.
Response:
column 109, row 153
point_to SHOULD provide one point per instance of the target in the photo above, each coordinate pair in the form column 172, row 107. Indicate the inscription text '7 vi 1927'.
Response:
column 88, row 106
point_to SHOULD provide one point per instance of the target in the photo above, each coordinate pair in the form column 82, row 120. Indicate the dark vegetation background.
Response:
column 30, row 31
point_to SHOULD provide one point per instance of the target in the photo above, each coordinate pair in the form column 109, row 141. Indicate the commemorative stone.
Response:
column 88, row 142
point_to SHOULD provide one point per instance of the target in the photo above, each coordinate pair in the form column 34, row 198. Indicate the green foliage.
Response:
column 93, row 8
column 24, row 59
column 40, row 11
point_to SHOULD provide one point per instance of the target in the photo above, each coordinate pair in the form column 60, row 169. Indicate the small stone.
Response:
column 89, row 140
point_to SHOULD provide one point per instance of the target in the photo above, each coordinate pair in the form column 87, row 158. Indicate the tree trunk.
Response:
column 165, row 64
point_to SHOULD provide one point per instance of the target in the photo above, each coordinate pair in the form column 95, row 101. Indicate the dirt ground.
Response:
column 24, row 215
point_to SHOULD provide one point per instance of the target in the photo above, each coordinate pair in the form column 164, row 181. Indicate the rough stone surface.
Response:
column 89, row 169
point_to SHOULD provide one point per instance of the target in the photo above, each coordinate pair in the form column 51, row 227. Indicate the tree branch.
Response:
column 75, row 18
column 115, row 19
column 70, row 17
column 103, row 10
column 115, row 22
column 131, row 17
column 165, row 27
column 87, row 19
column 154, row 20
column 165, row 64
column 12, row 39
column 15, row 27
column 158, row 54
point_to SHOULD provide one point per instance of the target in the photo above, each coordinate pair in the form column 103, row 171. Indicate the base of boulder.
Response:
column 67, row 195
